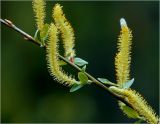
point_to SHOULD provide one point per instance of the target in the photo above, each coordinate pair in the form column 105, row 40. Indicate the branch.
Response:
column 28, row 37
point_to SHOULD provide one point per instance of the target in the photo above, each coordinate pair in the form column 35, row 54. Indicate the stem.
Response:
column 28, row 37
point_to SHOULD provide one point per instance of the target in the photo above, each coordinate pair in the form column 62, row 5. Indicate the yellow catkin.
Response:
column 123, row 59
column 141, row 106
column 53, row 60
column 66, row 30
column 138, row 103
column 39, row 10
column 122, row 64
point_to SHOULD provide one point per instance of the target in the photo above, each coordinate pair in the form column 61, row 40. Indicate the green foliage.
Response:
column 84, row 68
column 42, row 36
column 36, row 37
column 61, row 63
column 106, row 81
column 83, row 78
column 131, row 113
column 127, row 84
column 44, row 32
column 138, row 122
column 80, row 62
column 76, row 87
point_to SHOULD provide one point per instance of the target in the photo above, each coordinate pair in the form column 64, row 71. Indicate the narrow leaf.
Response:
column 61, row 63
column 36, row 35
column 128, row 84
column 80, row 62
column 76, row 87
column 44, row 32
column 103, row 80
column 106, row 81
column 82, row 77
column 138, row 122
column 131, row 113
column 84, row 68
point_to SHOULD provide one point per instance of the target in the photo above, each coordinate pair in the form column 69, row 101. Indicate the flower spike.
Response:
column 39, row 10
column 122, row 63
column 53, row 60
column 123, row 59
column 138, row 103
column 66, row 30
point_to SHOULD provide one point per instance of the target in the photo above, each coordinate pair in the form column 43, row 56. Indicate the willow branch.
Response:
column 28, row 37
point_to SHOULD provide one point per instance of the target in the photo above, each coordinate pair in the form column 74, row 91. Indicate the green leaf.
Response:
column 36, row 35
column 131, row 113
column 80, row 62
column 44, row 32
column 128, row 84
column 84, row 68
column 89, row 82
column 106, row 81
column 61, row 63
column 103, row 80
column 138, row 122
column 82, row 77
column 76, row 87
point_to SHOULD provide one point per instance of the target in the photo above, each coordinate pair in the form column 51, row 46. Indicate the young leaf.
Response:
column 106, row 81
column 128, row 84
column 61, row 63
column 76, row 87
column 84, row 68
column 138, row 122
column 89, row 82
column 44, row 32
column 82, row 77
column 80, row 62
column 103, row 80
column 36, row 37
column 131, row 113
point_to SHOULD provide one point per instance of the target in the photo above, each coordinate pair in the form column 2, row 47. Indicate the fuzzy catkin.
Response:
column 141, row 106
column 53, row 60
column 122, row 64
column 138, row 103
column 123, row 59
column 39, row 10
column 66, row 30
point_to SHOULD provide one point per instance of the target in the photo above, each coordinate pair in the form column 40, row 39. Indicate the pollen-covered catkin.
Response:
column 138, row 103
column 122, row 64
column 142, row 107
column 123, row 59
column 39, row 10
column 53, row 60
column 66, row 30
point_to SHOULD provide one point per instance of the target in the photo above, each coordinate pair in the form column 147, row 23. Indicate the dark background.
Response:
column 29, row 93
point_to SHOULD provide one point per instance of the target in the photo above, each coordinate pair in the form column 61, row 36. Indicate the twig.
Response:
column 28, row 37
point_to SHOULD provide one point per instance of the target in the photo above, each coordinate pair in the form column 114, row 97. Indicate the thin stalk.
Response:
column 28, row 37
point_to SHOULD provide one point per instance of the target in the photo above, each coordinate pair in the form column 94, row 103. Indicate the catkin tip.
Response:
column 39, row 10
column 123, row 22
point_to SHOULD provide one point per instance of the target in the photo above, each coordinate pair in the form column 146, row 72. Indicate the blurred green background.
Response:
column 29, row 93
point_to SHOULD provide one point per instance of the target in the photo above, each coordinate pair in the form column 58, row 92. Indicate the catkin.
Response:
column 53, row 60
column 66, row 30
